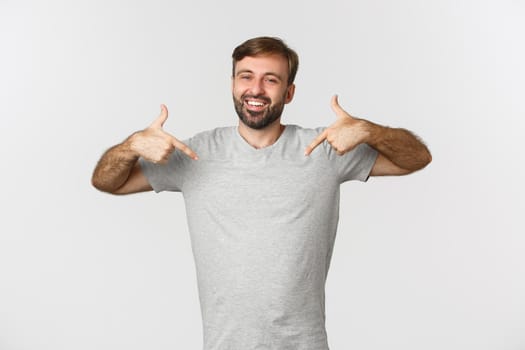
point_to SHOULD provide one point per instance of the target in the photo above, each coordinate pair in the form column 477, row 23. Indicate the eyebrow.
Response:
column 265, row 74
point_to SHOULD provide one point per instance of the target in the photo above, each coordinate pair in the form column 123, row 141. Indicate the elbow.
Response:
column 109, row 188
column 427, row 158
column 101, row 186
column 424, row 160
column 420, row 162
column 95, row 183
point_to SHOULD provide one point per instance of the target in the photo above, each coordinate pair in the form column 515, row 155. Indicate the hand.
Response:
column 345, row 134
column 156, row 145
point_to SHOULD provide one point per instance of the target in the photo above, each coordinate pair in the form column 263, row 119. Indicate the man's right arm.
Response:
column 118, row 170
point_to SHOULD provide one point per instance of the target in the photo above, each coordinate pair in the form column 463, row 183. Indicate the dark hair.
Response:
column 265, row 46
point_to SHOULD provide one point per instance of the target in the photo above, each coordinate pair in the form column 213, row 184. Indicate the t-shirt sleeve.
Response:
column 166, row 177
column 354, row 165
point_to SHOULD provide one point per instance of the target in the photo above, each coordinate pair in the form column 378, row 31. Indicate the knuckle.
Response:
column 167, row 147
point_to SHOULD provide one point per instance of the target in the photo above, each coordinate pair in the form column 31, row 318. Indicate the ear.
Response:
column 290, row 91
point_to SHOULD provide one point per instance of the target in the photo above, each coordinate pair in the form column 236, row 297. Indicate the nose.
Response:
column 257, row 87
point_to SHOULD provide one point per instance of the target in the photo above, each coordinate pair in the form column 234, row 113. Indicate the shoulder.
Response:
column 303, row 136
column 216, row 135
column 210, row 141
column 300, row 130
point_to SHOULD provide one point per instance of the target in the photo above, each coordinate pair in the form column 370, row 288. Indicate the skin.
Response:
column 261, row 80
column 400, row 151
column 118, row 171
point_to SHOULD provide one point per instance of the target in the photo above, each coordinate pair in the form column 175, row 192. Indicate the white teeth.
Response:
column 255, row 103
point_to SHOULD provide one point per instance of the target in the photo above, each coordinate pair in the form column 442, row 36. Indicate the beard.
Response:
column 258, row 120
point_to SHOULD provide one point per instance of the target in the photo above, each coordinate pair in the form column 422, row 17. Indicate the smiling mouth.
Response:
column 255, row 104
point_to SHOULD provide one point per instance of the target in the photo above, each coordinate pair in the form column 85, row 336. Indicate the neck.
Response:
column 263, row 137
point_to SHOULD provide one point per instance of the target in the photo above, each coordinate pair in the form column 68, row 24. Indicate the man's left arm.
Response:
column 400, row 151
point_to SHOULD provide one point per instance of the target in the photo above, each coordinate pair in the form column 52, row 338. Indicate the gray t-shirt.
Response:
column 262, row 224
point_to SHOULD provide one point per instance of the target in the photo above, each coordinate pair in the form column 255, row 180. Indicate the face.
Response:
column 260, row 90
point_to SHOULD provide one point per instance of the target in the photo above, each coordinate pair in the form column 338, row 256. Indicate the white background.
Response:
column 434, row 260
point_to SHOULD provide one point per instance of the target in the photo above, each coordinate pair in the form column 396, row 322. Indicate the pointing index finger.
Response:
column 188, row 151
column 316, row 142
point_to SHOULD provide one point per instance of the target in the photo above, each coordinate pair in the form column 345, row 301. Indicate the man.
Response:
column 262, row 200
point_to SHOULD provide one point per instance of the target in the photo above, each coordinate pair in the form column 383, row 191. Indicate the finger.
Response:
column 161, row 119
column 316, row 142
column 338, row 110
column 188, row 151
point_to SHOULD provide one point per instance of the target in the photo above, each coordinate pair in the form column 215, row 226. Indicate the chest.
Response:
column 268, row 188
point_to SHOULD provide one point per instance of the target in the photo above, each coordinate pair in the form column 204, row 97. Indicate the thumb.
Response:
column 161, row 119
column 338, row 110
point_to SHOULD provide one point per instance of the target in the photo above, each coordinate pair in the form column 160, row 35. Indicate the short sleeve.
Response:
column 354, row 165
column 166, row 177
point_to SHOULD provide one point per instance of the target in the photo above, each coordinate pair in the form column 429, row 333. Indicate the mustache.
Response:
column 258, row 97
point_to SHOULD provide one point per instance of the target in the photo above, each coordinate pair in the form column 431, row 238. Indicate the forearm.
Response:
column 400, row 146
column 114, row 167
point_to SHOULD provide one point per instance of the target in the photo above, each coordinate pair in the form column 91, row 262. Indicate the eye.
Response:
column 272, row 80
column 245, row 77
